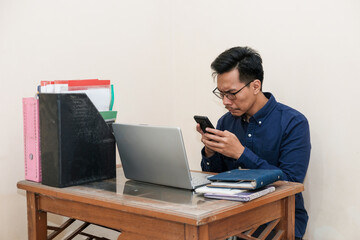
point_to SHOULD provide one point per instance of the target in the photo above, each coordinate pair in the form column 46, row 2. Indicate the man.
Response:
column 257, row 132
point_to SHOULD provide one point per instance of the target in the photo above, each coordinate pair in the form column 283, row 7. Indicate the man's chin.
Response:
column 236, row 113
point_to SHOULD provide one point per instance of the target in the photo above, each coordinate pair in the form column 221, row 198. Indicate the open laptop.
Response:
column 155, row 155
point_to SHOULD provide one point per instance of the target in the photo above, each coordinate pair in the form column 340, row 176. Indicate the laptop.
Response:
column 157, row 155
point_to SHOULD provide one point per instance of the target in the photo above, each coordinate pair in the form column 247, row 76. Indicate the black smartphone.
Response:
column 204, row 122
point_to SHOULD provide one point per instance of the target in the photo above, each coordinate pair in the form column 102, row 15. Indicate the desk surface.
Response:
column 162, row 202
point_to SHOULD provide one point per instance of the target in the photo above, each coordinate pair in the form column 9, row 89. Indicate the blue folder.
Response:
column 246, row 179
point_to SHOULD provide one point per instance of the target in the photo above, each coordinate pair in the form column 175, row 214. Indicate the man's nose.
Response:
column 226, row 101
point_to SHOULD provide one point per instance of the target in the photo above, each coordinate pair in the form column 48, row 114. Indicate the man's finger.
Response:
column 213, row 144
column 215, row 131
column 214, row 137
column 199, row 129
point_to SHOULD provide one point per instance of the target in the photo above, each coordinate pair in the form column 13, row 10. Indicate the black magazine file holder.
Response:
column 77, row 146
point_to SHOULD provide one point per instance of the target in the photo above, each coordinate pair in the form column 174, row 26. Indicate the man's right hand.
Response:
column 208, row 151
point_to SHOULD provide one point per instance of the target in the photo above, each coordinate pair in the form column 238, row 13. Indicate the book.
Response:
column 227, row 191
column 243, row 196
column 245, row 179
column 31, row 139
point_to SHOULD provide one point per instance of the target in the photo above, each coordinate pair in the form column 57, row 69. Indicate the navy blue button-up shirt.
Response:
column 276, row 137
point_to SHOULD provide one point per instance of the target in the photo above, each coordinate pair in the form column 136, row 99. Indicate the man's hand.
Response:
column 223, row 142
column 208, row 151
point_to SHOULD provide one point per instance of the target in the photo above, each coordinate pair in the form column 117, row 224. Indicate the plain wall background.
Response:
column 157, row 53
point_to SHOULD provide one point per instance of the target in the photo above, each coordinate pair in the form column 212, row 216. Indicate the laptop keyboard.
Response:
column 199, row 179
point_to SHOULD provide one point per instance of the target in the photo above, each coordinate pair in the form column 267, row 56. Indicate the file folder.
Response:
column 77, row 144
column 245, row 178
column 31, row 139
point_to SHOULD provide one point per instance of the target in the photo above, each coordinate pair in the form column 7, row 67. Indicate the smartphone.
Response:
column 204, row 122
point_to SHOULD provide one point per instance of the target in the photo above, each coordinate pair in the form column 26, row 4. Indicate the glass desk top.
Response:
column 126, row 187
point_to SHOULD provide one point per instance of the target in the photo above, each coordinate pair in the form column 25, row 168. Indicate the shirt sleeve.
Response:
column 294, row 153
column 213, row 163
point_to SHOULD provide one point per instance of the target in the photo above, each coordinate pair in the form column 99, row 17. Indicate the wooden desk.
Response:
column 146, row 211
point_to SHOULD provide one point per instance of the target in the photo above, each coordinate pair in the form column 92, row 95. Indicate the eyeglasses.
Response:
column 228, row 95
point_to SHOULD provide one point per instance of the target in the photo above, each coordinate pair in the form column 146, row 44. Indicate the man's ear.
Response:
column 256, row 86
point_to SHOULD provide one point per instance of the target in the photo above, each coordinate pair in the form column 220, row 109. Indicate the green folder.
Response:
column 109, row 116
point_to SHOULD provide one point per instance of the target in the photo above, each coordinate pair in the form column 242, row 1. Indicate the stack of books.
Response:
column 241, row 185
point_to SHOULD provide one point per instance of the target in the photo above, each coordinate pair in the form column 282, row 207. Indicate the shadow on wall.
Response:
column 313, row 195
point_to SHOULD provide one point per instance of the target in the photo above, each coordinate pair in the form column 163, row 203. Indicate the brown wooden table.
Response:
column 146, row 211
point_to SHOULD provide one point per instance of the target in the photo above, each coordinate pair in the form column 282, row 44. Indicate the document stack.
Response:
column 241, row 185
column 100, row 92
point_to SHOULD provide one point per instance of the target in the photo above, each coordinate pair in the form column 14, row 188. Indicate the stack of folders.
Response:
column 101, row 94
column 241, row 185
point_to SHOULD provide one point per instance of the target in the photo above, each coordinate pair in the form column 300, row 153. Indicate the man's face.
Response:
column 229, row 83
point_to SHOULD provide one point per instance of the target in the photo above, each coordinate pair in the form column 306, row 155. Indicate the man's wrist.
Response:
column 241, row 151
column 208, row 153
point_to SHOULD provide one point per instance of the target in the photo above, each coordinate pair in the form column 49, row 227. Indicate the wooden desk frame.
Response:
column 143, row 223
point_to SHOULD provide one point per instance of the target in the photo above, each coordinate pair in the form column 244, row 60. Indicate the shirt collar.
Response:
column 260, row 115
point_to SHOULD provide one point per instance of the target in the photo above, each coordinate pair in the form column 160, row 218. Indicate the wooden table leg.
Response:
column 37, row 220
column 287, row 223
column 204, row 232
column 191, row 232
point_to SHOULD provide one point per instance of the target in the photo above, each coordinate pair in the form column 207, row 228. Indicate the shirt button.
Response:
column 259, row 122
column 249, row 135
column 207, row 163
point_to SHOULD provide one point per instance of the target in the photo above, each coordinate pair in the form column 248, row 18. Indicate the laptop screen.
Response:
column 153, row 154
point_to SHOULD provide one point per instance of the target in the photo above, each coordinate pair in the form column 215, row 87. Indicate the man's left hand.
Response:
column 224, row 142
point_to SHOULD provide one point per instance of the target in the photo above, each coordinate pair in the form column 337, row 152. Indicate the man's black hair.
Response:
column 245, row 59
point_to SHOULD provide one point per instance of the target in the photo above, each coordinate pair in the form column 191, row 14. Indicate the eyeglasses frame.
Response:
column 228, row 93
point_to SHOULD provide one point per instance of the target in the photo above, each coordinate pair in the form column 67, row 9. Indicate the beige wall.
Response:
column 157, row 53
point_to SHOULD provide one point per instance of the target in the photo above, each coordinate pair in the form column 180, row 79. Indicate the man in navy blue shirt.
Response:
column 257, row 132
